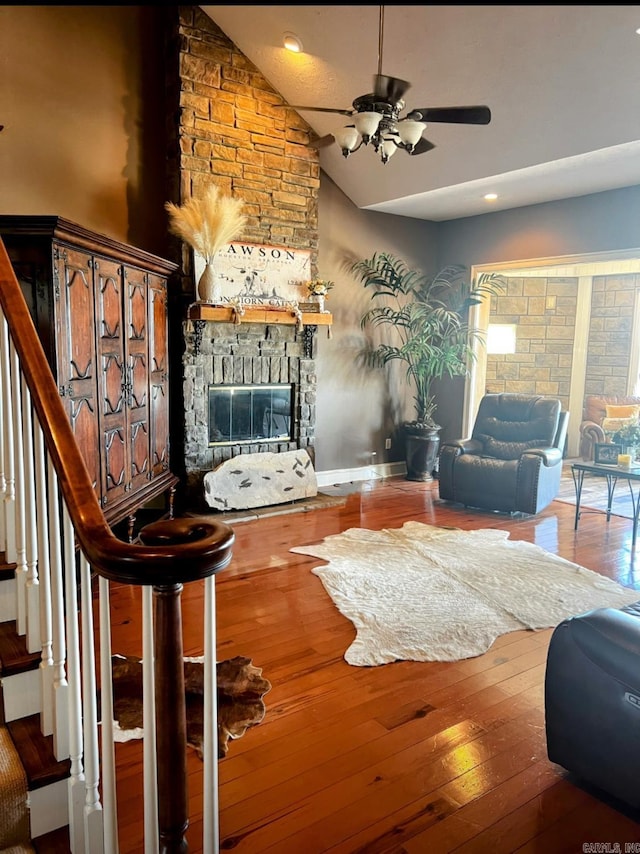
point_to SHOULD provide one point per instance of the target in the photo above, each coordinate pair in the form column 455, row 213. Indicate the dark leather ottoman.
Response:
column 592, row 699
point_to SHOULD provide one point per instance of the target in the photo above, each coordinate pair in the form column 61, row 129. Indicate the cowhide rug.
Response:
column 241, row 688
column 424, row 593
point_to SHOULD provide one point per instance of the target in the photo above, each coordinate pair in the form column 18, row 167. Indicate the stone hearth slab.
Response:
column 304, row 505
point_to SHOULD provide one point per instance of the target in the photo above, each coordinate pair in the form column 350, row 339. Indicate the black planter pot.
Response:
column 422, row 442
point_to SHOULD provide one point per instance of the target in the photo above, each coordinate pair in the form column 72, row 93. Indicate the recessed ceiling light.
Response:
column 292, row 43
column 490, row 197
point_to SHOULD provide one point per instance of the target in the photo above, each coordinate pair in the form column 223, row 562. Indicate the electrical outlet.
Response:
column 387, row 444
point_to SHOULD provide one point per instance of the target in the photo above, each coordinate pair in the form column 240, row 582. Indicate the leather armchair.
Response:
column 592, row 699
column 513, row 460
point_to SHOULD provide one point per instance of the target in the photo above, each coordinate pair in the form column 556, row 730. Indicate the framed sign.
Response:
column 606, row 453
column 258, row 274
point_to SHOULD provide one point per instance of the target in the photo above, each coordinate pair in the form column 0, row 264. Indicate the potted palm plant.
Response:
column 429, row 321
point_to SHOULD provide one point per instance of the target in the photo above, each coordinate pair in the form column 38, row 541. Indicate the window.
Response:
column 501, row 338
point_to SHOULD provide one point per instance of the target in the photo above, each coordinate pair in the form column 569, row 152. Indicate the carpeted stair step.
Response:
column 14, row 817
column 23, row 737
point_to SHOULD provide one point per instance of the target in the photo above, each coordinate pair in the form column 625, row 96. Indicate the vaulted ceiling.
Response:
column 562, row 83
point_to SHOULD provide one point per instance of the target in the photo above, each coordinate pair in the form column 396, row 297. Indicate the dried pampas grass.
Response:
column 209, row 223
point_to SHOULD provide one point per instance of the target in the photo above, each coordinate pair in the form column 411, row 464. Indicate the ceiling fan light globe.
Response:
column 410, row 132
column 367, row 124
column 388, row 149
column 347, row 138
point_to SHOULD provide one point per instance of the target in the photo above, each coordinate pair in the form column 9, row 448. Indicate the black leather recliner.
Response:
column 592, row 699
column 513, row 460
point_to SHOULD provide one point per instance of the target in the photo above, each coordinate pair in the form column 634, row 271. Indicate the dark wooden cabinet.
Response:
column 100, row 308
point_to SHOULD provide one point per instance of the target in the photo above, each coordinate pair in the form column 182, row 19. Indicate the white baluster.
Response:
column 42, row 517
column 4, row 399
column 7, row 428
column 150, row 770
column 34, row 642
column 76, row 790
column 7, row 594
column 108, row 750
column 60, row 684
column 211, row 825
column 18, row 451
column 93, row 823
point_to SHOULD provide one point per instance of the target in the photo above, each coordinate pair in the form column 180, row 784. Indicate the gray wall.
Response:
column 357, row 409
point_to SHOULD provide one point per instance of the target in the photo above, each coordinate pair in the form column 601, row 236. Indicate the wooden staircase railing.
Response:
column 168, row 554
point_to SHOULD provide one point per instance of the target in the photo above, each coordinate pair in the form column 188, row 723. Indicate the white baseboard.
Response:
column 376, row 472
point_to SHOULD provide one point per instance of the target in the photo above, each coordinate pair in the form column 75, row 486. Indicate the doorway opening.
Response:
column 577, row 322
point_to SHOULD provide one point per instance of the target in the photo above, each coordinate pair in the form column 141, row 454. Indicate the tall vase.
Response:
column 319, row 298
column 208, row 287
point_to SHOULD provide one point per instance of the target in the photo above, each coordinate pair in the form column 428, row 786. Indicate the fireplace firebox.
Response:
column 244, row 414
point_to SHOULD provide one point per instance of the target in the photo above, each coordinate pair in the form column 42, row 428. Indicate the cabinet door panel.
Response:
column 139, row 381
column 139, row 450
column 84, row 424
column 111, row 378
column 75, row 353
column 158, row 375
column 113, row 384
column 115, row 470
column 137, row 350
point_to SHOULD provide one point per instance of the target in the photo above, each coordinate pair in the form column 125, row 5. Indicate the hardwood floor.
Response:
column 405, row 757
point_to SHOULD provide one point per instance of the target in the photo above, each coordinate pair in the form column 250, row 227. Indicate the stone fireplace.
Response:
column 224, row 129
column 224, row 356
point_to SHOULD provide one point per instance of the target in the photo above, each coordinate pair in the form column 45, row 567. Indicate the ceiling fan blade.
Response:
column 317, row 109
column 422, row 145
column 389, row 88
column 479, row 115
column 323, row 141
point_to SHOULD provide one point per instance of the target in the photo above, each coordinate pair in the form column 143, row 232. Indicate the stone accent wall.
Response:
column 612, row 306
column 545, row 313
column 223, row 353
column 226, row 128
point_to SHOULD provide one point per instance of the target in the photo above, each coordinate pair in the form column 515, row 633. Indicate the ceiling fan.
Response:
column 377, row 119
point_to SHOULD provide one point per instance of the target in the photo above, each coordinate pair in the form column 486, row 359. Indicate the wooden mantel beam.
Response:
column 257, row 314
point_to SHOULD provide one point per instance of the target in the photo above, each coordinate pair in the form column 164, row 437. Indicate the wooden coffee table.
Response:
column 612, row 475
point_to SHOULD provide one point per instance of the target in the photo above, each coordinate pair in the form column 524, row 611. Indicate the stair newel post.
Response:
column 171, row 720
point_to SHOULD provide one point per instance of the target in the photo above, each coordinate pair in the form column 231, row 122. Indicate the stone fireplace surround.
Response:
column 245, row 353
